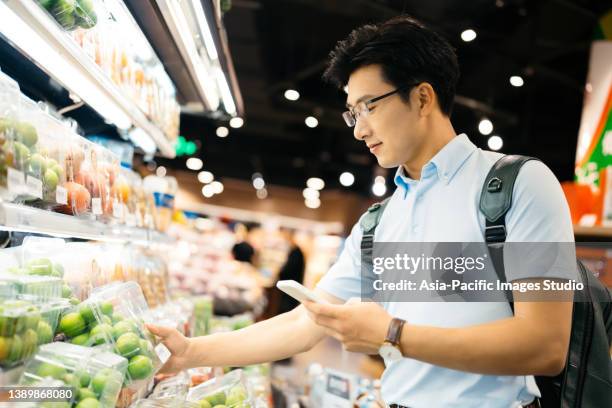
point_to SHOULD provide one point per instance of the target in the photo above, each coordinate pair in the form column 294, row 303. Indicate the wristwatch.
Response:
column 390, row 350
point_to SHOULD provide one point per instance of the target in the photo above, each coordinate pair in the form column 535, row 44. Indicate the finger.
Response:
column 328, row 322
column 325, row 310
column 159, row 331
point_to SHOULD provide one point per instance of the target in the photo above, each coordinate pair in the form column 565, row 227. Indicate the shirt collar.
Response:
column 446, row 162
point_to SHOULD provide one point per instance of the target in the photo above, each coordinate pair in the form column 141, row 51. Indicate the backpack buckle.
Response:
column 495, row 233
column 494, row 185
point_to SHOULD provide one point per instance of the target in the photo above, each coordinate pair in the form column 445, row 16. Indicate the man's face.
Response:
column 392, row 130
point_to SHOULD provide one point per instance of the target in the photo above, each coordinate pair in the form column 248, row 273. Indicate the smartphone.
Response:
column 298, row 291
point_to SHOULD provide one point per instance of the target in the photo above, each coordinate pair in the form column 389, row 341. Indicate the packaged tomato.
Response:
column 78, row 198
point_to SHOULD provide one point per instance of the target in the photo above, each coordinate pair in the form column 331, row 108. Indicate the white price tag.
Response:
column 34, row 187
column 117, row 209
column 15, row 180
column 61, row 195
column 96, row 205
column 162, row 352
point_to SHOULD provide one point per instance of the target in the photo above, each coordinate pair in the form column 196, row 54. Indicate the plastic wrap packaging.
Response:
column 163, row 190
column 26, row 323
column 97, row 174
column 229, row 391
column 168, row 402
column 72, row 14
column 202, row 315
column 94, row 375
column 78, row 197
column 10, row 181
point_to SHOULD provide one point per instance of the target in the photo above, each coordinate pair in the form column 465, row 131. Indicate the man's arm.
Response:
column 273, row 339
column 533, row 342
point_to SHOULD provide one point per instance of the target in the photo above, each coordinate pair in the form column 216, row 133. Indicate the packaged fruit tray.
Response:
column 95, row 376
column 72, row 14
column 228, row 391
column 113, row 315
column 24, row 325
column 164, row 403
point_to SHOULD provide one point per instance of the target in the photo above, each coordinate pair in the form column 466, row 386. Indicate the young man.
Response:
column 400, row 79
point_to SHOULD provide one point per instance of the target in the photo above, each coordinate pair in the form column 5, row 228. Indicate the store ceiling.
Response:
column 280, row 44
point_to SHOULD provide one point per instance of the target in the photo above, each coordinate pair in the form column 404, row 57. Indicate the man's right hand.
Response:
column 177, row 344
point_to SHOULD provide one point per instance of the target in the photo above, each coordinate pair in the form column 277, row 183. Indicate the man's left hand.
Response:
column 360, row 326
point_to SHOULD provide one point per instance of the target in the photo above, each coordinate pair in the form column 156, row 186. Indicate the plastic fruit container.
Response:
column 41, row 288
column 72, row 14
column 78, row 198
column 24, row 325
column 167, row 402
column 124, row 303
column 94, row 375
column 229, row 391
column 9, row 111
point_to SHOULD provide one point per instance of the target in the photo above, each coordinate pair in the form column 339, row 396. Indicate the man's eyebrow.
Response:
column 361, row 99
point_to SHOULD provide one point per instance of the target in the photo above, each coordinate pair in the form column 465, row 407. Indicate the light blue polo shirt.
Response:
column 443, row 207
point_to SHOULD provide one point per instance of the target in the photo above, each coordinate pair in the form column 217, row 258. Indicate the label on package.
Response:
column 117, row 209
column 61, row 195
column 162, row 352
column 15, row 180
column 34, row 187
column 96, row 206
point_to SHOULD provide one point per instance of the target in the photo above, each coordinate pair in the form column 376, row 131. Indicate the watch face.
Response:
column 389, row 352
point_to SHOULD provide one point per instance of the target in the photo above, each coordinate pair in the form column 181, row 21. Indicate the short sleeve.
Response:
column 343, row 279
column 540, row 240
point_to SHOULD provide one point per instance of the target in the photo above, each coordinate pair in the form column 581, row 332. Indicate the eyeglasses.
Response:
column 362, row 109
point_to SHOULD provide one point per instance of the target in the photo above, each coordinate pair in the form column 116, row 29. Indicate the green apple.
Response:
column 37, row 164
column 51, row 370
column 140, row 367
column 86, row 393
column 26, row 134
column 101, row 333
column 81, row 339
column 45, row 332
column 128, row 344
column 72, row 324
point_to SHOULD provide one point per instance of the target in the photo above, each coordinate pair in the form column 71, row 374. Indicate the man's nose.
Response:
column 361, row 129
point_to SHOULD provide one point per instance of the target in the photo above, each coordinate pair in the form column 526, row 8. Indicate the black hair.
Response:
column 407, row 51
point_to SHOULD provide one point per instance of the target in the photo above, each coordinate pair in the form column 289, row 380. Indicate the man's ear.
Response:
column 426, row 97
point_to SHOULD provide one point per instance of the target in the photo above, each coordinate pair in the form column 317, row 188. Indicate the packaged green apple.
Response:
column 118, row 310
column 72, row 14
column 94, row 375
column 173, row 387
column 167, row 402
column 9, row 120
column 25, row 323
column 228, row 391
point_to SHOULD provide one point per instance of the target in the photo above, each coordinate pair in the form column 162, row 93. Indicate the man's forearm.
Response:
column 273, row 339
column 513, row 346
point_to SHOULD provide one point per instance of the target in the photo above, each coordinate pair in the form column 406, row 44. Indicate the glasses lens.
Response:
column 349, row 119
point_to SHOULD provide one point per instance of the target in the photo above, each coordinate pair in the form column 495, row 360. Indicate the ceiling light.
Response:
column 208, row 191
column 516, row 80
column 194, row 163
column 259, row 183
column 380, row 180
column 495, row 142
column 222, row 131
column 205, row 177
column 226, row 93
column 468, row 35
column 311, row 122
column 209, row 42
column 315, row 203
column 236, row 122
column 311, row 193
column 262, row 193
column 161, row 171
column 485, row 126
column 292, row 94
column 347, row 179
column 379, row 189
column 217, row 187
column 316, row 183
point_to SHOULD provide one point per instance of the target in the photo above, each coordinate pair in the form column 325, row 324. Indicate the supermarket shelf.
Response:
column 31, row 30
column 17, row 217
column 598, row 232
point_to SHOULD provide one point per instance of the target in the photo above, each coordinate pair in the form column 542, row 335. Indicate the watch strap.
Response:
column 395, row 331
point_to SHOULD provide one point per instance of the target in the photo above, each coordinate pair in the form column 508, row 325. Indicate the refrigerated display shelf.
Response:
column 16, row 217
column 36, row 35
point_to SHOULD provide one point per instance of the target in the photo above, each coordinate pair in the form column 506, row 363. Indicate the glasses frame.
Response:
column 350, row 116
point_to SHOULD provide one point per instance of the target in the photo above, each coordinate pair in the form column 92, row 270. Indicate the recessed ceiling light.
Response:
column 194, row 163
column 311, row 193
column 292, row 95
column 236, row 122
column 217, row 187
column 314, row 203
column 208, row 191
column 379, row 179
column 316, row 183
column 311, row 122
column 347, row 179
column 495, row 142
column 262, row 193
column 160, row 171
column 205, row 177
column 485, row 126
column 222, row 131
column 379, row 189
column 468, row 35
column 516, row 80
column 259, row 183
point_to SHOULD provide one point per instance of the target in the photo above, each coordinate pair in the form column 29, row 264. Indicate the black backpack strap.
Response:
column 495, row 202
column 368, row 224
